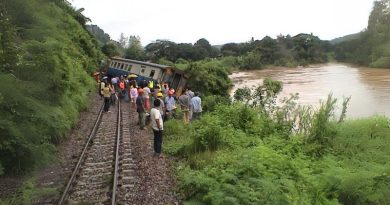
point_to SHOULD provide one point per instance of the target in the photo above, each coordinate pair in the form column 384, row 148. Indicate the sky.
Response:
column 225, row 21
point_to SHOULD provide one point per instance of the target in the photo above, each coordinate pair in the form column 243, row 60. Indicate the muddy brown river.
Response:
column 369, row 88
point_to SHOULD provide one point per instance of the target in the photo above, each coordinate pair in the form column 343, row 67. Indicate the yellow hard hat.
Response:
column 159, row 94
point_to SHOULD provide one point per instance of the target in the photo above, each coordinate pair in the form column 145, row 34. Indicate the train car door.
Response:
column 176, row 80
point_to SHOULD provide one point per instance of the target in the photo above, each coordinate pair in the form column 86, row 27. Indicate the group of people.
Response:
column 163, row 99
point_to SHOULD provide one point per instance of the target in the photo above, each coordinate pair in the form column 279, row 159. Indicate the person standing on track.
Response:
column 147, row 98
column 161, row 108
column 101, row 87
column 133, row 95
column 113, row 94
column 141, row 109
column 114, row 82
column 157, row 126
column 107, row 96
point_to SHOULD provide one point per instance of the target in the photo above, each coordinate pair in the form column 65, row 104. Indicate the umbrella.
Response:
column 132, row 76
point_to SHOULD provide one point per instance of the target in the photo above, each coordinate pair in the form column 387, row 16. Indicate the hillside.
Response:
column 345, row 38
column 99, row 34
column 46, row 58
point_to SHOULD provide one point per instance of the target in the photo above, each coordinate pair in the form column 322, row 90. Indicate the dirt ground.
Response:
column 156, row 183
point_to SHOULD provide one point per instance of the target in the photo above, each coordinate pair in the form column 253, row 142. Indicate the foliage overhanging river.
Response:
column 369, row 88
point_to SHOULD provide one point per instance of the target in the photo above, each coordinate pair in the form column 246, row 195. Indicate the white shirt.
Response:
column 155, row 114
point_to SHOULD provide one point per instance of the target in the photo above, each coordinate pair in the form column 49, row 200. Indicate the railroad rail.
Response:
column 104, row 162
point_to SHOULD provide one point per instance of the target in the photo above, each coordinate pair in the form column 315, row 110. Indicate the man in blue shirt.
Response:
column 196, row 103
column 170, row 104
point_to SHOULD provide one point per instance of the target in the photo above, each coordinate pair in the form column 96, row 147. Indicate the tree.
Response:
column 8, row 49
column 186, row 51
column 80, row 17
column 123, row 41
column 308, row 49
column 162, row 48
column 212, row 52
column 371, row 46
column 203, row 46
column 268, row 48
column 110, row 49
column 252, row 60
column 134, row 49
column 230, row 49
column 380, row 15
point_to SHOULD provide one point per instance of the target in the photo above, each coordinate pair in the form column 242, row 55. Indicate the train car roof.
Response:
column 143, row 63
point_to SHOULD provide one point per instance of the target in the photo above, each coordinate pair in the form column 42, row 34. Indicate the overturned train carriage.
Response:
column 148, row 71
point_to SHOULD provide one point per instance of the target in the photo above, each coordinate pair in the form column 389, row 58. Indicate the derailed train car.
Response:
column 175, row 78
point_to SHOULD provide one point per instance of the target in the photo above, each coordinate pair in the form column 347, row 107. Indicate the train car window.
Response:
column 152, row 73
column 130, row 66
column 143, row 70
column 122, row 66
column 114, row 65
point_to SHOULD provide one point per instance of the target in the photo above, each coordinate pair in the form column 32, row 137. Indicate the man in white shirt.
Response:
column 157, row 126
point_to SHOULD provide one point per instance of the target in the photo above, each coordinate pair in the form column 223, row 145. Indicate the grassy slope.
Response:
column 40, row 102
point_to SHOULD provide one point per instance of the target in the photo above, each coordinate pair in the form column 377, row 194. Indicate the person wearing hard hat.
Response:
column 161, row 108
column 157, row 127
column 141, row 108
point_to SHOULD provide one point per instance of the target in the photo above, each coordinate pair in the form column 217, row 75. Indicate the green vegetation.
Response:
column 370, row 47
column 30, row 193
column 46, row 57
column 253, row 151
column 301, row 49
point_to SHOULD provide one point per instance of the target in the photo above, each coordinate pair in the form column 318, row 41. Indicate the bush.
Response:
column 322, row 130
column 208, row 77
column 210, row 102
column 383, row 62
column 252, row 61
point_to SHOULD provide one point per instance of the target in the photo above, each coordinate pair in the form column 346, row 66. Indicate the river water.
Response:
column 369, row 88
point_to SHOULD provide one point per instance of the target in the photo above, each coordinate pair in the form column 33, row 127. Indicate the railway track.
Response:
column 104, row 171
